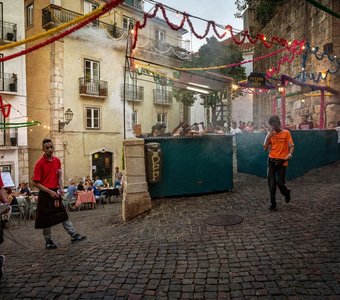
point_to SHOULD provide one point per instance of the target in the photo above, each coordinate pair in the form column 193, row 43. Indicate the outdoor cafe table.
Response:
column 85, row 197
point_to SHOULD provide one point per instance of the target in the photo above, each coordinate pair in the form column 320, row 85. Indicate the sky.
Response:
column 220, row 11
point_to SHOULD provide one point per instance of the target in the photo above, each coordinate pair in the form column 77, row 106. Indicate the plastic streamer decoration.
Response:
column 304, row 76
column 186, row 17
column 18, row 125
column 107, row 7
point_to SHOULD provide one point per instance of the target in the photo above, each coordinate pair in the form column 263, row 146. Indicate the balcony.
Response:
column 9, row 137
column 132, row 92
column 8, row 32
column 92, row 88
column 162, row 97
column 53, row 16
column 8, row 82
column 135, row 3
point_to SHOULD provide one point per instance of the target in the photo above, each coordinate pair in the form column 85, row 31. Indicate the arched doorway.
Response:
column 102, row 165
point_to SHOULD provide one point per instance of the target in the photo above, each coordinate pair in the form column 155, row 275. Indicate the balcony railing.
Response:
column 162, row 97
column 132, row 92
column 9, row 137
column 135, row 3
column 92, row 87
column 8, row 82
column 8, row 32
column 54, row 15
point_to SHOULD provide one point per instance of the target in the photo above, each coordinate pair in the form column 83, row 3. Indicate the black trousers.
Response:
column 276, row 177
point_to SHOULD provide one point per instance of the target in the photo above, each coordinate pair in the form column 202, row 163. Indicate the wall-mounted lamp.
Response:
column 68, row 119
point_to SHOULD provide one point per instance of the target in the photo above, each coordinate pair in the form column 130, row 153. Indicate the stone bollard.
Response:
column 136, row 197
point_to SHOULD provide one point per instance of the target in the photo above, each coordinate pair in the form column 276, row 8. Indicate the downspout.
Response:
column 322, row 109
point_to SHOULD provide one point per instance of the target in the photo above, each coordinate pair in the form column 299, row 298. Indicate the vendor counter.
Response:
column 313, row 149
column 189, row 165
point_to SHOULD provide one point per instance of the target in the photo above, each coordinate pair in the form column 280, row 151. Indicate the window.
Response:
column 134, row 118
column 128, row 23
column 159, row 35
column 92, row 118
column 161, row 118
column 91, row 72
column 1, row 76
column 29, row 15
column 131, row 120
column 89, row 6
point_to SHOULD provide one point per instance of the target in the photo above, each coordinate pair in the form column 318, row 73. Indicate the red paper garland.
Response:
column 239, row 41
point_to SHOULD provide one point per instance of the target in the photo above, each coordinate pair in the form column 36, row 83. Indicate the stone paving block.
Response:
column 170, row 253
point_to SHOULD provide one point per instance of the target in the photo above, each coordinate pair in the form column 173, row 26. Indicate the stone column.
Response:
column 136, row 197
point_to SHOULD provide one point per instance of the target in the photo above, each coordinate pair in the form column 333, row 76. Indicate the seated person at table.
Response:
column 98, row 182
column 24, row 190
column 88, row 186
column 12, row 200
column 71, row 189
column 80, row 186
column 106, row 184
column 96, row 192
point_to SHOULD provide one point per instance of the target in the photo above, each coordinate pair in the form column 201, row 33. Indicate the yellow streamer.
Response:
column 191, row 69
column 54, row 30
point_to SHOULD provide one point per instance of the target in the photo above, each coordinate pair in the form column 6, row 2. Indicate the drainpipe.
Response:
column 322, row 109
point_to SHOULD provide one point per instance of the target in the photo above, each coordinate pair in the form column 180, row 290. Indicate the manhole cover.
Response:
column 224, row 220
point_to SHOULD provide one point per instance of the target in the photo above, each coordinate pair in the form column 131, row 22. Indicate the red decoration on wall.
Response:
column 5, row 108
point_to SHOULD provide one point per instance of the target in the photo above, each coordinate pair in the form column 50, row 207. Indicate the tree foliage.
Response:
column 264, row 9
column 213, row 53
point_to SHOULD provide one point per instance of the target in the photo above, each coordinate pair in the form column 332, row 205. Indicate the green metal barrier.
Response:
column 313, row 149
column 193, row 165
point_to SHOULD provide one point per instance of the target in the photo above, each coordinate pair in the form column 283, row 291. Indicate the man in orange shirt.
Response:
column 280, row 145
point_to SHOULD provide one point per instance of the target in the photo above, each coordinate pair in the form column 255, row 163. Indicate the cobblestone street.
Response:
column 171, row 253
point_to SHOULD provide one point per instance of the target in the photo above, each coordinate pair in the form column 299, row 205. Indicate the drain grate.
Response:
column 224, row 220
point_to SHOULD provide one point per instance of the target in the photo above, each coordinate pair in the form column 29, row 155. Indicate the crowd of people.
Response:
column 96, row 185
column 184, row 129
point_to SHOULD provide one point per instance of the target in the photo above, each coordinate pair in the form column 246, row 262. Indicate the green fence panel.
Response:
column 313, row 149
column 193, row 165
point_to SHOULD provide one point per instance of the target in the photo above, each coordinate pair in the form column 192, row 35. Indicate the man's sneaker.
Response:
column 78, row 238
column 50, row 245
column 273, row 208
column 287, row 197
column 2, row 262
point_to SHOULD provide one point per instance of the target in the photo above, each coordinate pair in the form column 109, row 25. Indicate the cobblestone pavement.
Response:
column 170, row 252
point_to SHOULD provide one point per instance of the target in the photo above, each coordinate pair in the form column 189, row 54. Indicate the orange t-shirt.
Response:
column 279, row 145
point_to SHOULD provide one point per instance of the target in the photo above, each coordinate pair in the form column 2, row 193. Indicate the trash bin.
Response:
column 153, row 162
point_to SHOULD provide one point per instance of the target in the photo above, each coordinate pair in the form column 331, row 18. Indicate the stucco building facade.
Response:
column 84, row 73
column 13, row 141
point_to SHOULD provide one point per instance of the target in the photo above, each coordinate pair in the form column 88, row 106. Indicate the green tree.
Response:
column 264, row 9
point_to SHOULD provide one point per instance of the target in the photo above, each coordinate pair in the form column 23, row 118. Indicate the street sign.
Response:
column 256, row 80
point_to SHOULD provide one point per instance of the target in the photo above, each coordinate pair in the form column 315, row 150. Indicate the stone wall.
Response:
column 302, row 21
column 136, row 198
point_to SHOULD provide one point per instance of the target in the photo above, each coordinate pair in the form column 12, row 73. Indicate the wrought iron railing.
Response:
column 92, row 87
column 162, row 97
column 135, row 3
column 132, row 92
column 8, row 82
column 8, row 31
column 54, row 15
